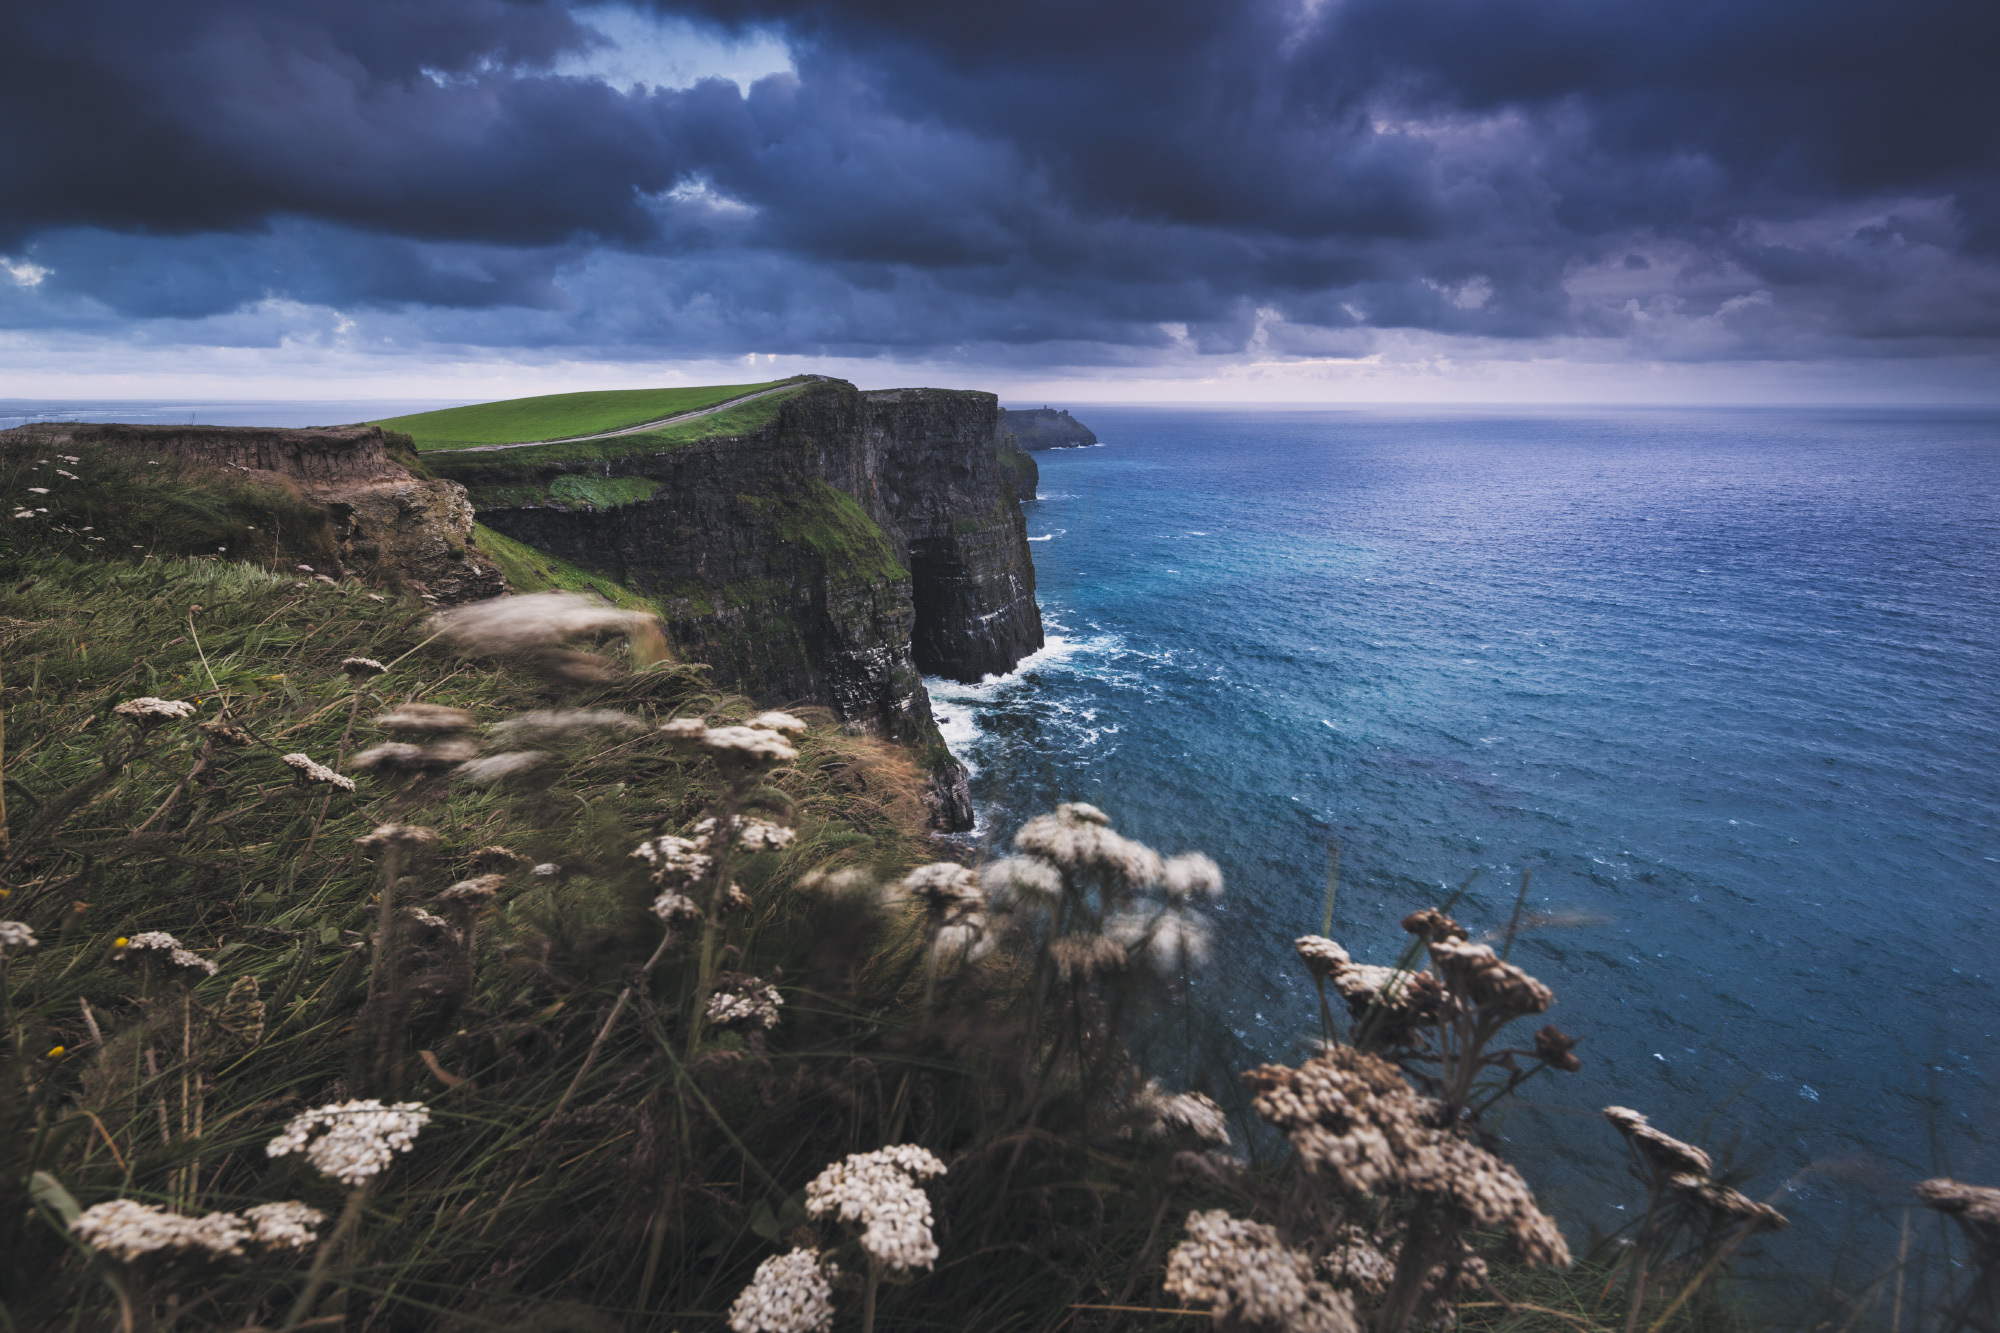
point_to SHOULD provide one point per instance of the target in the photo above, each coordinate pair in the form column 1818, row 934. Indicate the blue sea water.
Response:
column 1727, row 682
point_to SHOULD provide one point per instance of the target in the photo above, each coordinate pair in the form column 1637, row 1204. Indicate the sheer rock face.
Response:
column 832, row 557
column 389, row 524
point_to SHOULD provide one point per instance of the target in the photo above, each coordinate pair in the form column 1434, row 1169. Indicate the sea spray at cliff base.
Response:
column 1727, row 683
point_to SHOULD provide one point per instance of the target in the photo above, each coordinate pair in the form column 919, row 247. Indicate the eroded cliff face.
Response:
column 832, row 557
column 387, row 524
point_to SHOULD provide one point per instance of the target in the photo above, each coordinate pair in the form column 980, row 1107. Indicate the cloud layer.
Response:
column 1033, row 185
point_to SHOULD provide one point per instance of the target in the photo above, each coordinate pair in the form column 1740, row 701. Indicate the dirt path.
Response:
column 626, row 430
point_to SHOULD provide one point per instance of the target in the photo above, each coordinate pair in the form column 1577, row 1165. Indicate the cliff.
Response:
column 1046, row 428
column 348, row 499
column 833, row 555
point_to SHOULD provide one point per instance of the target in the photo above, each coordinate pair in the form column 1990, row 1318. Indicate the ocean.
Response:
column 1726, row 682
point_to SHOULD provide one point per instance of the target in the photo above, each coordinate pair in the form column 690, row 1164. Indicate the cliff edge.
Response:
column 1046, row 428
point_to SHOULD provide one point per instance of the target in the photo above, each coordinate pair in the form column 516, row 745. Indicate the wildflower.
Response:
column 479, row 889
column 878, row 1192
column 55, row 1052
column 1432, row 925
column 309, row 772
column 547, row 870
column 424, row 719
column 752, row 834
column 671, row 907
column 359, row 1139
column 1400, row 1000
column 1191, row 875
column 735, row 900
column 559, row 724
column 129, row 1231
column 433, row 921
column 284, row 1226
column 776, row 721
column 361, row 668
column 747, row 747
column 743, row 999
column 675, row 860
column 1244, row 1273
column 790, row 1293
column 1356, row 1261
column 533, row 628
column 1663, row 1151
column 1557, row 1049
column 1728, row 1203
column 942, row 885
column 1078, row 837
column 38, row 490
column 407, row 837
column 1021, row 876
column 684, row 729
column 1976, row 1208
column 1322, row 957
column 499, row 767
column 16, row 936
column 1081, row 957
column 1173, row 939
column 963, row 938
column 1472, row 971
column 225, row 732
column 496, row 858
column 160, row 941
column 146, row 711
column 850, row 879
column 402, row 757
column 1166, row 1114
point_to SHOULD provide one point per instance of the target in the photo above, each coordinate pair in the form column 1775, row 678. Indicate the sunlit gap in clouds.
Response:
column 663, row 52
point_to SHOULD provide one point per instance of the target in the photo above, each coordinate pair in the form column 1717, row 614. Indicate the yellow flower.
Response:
column 120, row 942
column 55, row 1052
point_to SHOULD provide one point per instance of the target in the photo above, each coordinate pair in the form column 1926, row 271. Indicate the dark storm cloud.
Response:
column 1079, row 182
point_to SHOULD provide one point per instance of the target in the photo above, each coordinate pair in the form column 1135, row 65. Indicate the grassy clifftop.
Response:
column 559, row 415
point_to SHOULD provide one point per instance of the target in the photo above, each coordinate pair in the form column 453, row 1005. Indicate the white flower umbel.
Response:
column 675, row 860
column 147, row 711
column 1078, row 838
column 791, row 1293
column 745, row 1000
column 426, row 719
column 776, row 721
column 284, row 1226
column 128, row 1231
column 309, row 771
column 1028, row 879
column 753, row 746
column 1191, row 876
column 359, row 1137
column 16, row 936
column 877, row 1193
column 499, row 767
column 545, row 726
column 1246, row 1275
column 1166, row 1115
column 160, row 941
column 533, row 629
column 752, row 834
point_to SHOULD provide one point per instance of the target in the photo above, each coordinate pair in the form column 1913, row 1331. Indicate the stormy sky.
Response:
column 1642, row 199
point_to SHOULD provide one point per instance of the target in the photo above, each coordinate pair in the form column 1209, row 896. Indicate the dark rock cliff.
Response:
column 832, row 557
column 1046, row 428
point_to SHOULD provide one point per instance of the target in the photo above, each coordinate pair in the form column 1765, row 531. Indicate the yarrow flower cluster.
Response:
column 284, row 1226
column 746, row 1000
column 129, row 1231
column 147, row 711
column 1684, row 1169
column 309, row 772
column 1245, row 1274
column 534, row 627
column 791, row 1293
column 360, row 1137
column 1194, row 1114
column 546, row 725
column 426, row 719
column 161, row 941
column 16, row 936
column 878, row 1193
column 752, row 834
column 675, row 860
column 1078, row 838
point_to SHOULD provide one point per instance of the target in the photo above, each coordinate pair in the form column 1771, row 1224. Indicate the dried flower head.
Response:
column 1667, row 1154
column 688, row 729
column 1026, row 878
column 1248, row 1277
column 478, row 889
column 942, row 886
column 359, row 1137
column 534, row 628
column 284, row 1226
column 500, row 767
column 1171, row 940
column 1180, row 1114
column 790, row 1293
column 497, row 859
column 129, row 1231
column 402, row 757
column 776, row 721
column 146, row 711
column 402, row 837
column 16, row 936
column 546, row 726
column 877, row 1193
column 743, row 1000
column 1430, row 925
column 965, row 937
column 752, row 834
column 1081, row 957
column 1191, row 875
column 360, row 668
column 1557, row 1048
column 158, row 941
column 1322, row 957
column 1727, row 1203
column 224, row 732
column 1355, row 1260
column 432, row 921
column 1976, row 1208
column 1079, row 839
column 309, row 772
column 426, row 719
column 747, row 747
column 1475, row 973
column 1401, row 1002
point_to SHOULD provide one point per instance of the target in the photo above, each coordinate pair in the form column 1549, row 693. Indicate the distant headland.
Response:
column 1045, row 428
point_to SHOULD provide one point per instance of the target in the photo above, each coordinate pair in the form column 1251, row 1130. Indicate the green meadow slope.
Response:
column 558, row 416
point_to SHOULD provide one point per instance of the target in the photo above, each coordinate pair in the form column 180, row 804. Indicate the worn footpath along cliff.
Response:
column 833, row 556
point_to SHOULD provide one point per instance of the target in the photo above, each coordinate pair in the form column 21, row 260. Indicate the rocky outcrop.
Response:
column 831, row 557
column 1046, row 428
column 386, row 522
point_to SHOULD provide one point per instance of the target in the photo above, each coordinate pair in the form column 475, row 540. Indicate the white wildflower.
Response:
column 776, row 721
column 671, row 907
column 359, row 1140
column 850, row 879
column 478, row 889
column 1026, row 877
column 752, row 834
column 791, row 1293
column 547, row 870
column 942, row 885
column 674, row 859
column 159, row 940
column 877, row 1192
column 128, row 1231
column 424, row 719
column 1322, row 957
column 1079, row 837
column 360, row 668
column 38, row 490
column 533, row 628
column 404, row 837
column 16, row 936
column 284, row 1226
column 684, row 729
column 308, row 772
column 1173, row 939
column 555, row 724
column 148, row 711
column 1191, row 876
column 1165, row 1115
column 752, row 746
column 1241, row 1271
column 745, row 1000
column 402, row 757
column 499, row 767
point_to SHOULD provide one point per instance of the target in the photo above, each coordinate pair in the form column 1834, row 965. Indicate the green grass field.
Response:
column 559, row 415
